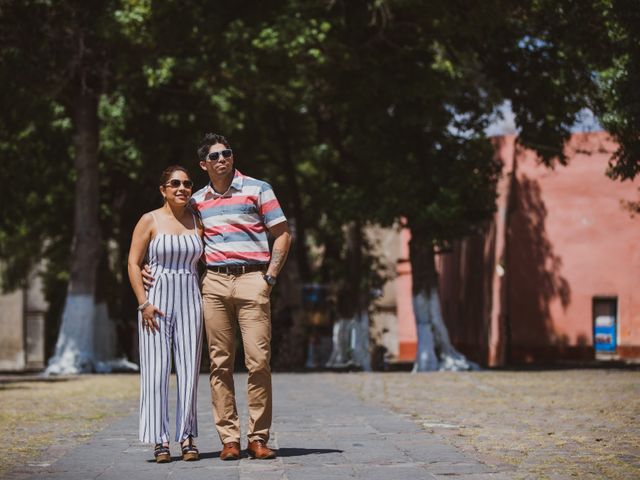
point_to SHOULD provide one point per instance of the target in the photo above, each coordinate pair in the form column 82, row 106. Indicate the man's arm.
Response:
column 147, row 278
column 280, row 247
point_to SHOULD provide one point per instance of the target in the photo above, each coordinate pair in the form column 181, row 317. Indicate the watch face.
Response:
column 270, row 280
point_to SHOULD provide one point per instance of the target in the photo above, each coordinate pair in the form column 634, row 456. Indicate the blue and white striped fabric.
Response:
column 236, row 222
column 173, row 261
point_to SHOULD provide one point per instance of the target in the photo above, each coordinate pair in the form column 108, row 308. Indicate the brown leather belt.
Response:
column 239, row 269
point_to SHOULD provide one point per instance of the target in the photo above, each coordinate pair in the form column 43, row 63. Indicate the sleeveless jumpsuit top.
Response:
column 173, row 260
column 174, row 254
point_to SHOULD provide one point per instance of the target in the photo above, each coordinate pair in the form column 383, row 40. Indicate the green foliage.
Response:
column 357, row 112
column 133, row 17
column 618, row 102
column 38, row 202
column 553, row 58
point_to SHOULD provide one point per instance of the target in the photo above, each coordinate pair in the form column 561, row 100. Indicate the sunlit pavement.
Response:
column 321, row 431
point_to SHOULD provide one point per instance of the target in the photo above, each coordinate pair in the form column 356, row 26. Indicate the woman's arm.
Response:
column 139, row 243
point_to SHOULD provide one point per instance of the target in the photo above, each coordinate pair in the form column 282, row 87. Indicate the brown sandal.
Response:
column 162, row 453
column 190, row 451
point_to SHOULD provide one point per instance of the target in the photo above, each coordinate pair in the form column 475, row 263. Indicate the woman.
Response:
column 170, row 315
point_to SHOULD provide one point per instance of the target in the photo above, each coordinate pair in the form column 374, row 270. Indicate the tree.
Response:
column 66, row 69
column 316, row 73
column 573, row 56
column 448, row 76
column 419, row 155
column 358, row 112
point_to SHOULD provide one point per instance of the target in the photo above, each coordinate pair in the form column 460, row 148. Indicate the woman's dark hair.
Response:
column 208, row 140
column 167, row 172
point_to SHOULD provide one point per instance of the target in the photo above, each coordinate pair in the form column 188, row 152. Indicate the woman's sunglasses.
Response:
column 213, row 156
column 175, row 183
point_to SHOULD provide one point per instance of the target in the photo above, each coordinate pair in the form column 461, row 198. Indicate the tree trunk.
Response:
column 351, row 329
column 298, row 224
column 74, row 348
column 360, row 341
column 435, row 351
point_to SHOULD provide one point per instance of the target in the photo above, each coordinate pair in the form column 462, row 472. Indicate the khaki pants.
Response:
column 243, row 298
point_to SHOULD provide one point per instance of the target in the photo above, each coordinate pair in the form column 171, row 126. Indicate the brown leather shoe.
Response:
column 258, row 449
column 230, row 451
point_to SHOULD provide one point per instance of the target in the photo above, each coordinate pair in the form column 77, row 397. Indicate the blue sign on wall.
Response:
column 604, row 334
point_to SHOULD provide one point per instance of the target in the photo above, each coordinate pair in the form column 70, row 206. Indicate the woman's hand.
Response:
column 149, row 322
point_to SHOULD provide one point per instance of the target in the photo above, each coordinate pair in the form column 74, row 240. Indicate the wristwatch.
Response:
column 270, row 279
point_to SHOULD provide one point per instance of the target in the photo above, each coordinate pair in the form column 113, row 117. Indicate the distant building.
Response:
column 556, row 275
column 22, row 323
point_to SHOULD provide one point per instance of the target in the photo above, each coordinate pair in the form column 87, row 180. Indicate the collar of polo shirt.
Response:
column 236, row 184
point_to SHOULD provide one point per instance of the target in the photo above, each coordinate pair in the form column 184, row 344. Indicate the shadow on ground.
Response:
column 299, row 452
column 573, row 365
column 281, row 452
column 14, row 381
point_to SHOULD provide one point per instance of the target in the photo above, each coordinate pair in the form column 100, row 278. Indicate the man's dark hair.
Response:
column 208, row 140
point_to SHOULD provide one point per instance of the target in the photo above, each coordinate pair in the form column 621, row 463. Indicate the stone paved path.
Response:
column 321, row 431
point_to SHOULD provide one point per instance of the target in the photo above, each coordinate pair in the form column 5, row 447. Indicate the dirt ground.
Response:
column 39, row 415
column 545, row 424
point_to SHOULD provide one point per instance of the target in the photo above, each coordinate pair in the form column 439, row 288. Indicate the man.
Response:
column 237, row 213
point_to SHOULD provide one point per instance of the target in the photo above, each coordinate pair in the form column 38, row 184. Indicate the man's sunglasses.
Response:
column 175, row 183
column 213, row 156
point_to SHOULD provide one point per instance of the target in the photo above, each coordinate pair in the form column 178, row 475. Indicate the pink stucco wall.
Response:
column 523, row 291
column 406, row 328
column 570, row 240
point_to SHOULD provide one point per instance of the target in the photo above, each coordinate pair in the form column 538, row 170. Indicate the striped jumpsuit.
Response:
column 173, row 261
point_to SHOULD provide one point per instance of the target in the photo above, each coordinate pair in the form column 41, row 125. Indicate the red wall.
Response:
column 569, row 240
column 523, row 291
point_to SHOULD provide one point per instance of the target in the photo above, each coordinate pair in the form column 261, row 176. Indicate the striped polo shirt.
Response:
column 236, row 222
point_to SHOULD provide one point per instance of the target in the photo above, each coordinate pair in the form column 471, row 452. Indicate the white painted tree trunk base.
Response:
column 87, row 340
column 74, row 348
column 351, row 343
column 457, row 363
column 105, row 340
column 435, row 351
column 360, row 341
column 341, row 344
column 116, row 365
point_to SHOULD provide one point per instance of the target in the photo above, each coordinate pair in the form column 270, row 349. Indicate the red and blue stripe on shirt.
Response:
column 236, row 222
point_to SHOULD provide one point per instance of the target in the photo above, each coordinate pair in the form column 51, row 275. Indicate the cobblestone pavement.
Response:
column 392, row 426
column 322, row 431
column 545, row 424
